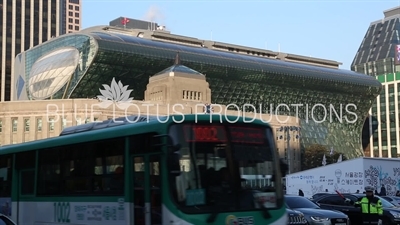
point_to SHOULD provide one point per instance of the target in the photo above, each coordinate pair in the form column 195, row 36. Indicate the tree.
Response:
column 314, row 154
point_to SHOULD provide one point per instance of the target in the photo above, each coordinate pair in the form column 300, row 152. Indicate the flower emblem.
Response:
column 116, row 93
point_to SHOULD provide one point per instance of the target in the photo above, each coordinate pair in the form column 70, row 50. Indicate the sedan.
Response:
column 296, row 217
column 313, row 213
column 4, row 220
column 392, row 199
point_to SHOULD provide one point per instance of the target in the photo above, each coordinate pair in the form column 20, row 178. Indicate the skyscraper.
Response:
column 27, row 23
column 378, row 55
column 72, row 15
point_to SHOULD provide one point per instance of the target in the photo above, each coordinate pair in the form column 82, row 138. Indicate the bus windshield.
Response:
column 225, row 168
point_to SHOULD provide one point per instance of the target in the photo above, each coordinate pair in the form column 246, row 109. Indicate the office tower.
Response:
column 72, row 13
column 27, row 23
column 379, row 56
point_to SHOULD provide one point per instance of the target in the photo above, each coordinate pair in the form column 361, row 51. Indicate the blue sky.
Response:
column 329, row 29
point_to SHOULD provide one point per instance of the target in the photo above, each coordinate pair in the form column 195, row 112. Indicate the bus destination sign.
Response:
column 204, row 133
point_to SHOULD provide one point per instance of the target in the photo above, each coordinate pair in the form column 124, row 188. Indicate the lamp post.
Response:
column 287, row 130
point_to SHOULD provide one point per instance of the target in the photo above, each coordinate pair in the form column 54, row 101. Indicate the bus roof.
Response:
column 121, row 127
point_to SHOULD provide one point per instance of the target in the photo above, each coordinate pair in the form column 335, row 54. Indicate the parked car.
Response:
column 4, row 220
column 393, row 199
column 313, row 213
column 391, row 214
column 296, row 217
column 318, row 195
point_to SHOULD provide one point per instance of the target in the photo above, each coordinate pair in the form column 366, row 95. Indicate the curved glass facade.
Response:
column 233, row 78
column 52, row 57
column 52, row 71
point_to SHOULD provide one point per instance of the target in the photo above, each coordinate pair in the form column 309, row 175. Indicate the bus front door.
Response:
column 147, row 190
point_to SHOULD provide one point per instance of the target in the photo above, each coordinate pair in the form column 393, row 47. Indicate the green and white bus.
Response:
column 174, row 170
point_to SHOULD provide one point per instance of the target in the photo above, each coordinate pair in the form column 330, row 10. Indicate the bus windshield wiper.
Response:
column 212, row 217
column 264, row 210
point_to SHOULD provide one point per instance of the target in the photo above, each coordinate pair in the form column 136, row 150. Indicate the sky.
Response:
column 328, row 29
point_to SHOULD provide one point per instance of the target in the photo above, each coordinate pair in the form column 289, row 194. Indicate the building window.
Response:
column 286, row 154
column 14, row 125
column 64, row 123
column 51, row 124
column 76, row 27
column 76, row 21
column 1, row 126
column 39, row 124
column 70, row 7
column 77, row 15
column 70, row 13
column 26, row 123
column 77, row 8
column 70, row 20
column 70, row 27
column 191, row 95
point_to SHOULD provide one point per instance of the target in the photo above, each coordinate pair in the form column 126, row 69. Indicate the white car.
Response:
column 4, row 220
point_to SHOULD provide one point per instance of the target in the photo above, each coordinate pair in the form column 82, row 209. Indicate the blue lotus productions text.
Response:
column 318, row 113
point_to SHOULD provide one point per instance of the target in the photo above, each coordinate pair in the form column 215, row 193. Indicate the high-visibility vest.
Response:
column 373, row 206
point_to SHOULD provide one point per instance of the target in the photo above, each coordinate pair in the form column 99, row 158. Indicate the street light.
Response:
column 287, row 130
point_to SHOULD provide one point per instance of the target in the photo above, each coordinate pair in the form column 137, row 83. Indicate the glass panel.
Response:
column 27, row 180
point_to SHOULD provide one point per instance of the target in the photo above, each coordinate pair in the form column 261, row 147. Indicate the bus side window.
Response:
column 118, row 180
column 77, row 163
column 85, row 168
column 49, row 172
column 5, row 175
column 144, row 143
column 24, row 161
column 109, row 166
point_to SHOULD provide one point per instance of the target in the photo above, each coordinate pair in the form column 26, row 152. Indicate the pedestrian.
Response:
column 383, row 191
column 301, row 193
column 371, row 207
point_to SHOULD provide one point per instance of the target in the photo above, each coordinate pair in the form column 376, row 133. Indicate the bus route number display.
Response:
column 205, row 133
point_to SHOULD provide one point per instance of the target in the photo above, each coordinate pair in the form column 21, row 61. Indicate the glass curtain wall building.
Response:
column 27, row 23
column 379, row 56
column 76, row 65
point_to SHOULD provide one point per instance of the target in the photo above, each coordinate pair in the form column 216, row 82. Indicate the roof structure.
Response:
column 178, row 67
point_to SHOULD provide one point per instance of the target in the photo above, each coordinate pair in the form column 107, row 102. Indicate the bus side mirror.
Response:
column 284, row 167
column 173, row 164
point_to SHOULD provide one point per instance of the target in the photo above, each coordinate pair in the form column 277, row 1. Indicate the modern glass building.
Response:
column 27, row 23
column 334, row 103
column 378, row 56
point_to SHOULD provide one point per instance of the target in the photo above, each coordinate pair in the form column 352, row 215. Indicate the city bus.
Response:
column 143, row 170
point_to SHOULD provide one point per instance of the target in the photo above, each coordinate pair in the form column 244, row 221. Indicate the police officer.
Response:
column 371, row 207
